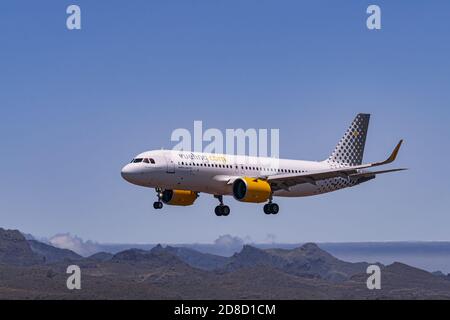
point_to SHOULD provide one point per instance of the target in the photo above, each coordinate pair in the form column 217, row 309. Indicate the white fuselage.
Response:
column 214, row 173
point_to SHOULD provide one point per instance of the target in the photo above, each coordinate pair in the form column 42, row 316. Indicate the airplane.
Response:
column 180, row 176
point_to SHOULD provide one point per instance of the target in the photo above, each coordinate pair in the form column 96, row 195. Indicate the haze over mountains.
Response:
column 33, row 270
column 430, row 256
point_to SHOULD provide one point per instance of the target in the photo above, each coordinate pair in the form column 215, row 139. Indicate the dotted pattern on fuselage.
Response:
column 334, row 184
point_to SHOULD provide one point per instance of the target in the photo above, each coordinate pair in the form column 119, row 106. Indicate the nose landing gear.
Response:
column 158, row 204
column 221, row 209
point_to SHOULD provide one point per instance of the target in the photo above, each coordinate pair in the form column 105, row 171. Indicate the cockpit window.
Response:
column 144, row 160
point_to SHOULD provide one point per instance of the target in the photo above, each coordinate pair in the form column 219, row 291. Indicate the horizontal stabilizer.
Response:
column 373, row 173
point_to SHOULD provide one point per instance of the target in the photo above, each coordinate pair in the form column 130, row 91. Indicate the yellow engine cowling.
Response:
column 251, row 190
column 179, row 197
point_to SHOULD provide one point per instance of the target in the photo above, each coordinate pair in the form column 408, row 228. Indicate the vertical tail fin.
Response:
column 350, row 149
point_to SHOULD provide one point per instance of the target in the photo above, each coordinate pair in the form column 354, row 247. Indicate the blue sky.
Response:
column 75, row 106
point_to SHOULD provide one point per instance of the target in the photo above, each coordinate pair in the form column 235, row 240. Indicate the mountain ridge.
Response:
column 30, row 270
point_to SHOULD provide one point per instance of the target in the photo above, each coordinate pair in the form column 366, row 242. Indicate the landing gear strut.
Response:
column 271, row 208
column 221, row 209
column 158, row 204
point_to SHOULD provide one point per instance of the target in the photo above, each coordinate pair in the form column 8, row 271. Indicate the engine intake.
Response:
column 179, row 197
column 251, row 190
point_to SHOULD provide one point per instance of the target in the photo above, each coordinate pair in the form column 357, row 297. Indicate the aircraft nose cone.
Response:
column 127, row 173
column 134, row 174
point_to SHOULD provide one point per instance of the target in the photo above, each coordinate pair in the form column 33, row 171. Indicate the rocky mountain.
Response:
column 101, row 257
column 50, row 254
column 400, row 281
column 195, row 259
column 32, row 270
column 157, row 257
column 307, row 261
column 15, row 249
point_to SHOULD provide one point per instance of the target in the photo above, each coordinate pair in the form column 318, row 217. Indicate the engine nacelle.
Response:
column 251, row 190
column 179, row 197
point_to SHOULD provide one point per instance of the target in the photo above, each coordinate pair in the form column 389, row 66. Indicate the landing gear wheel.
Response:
column 271, row 208
column 225, row 210
column 222, row 210
column 158, row 205
column 274, row 208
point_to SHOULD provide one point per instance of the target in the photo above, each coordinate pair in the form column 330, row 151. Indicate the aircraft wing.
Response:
column 285, row 181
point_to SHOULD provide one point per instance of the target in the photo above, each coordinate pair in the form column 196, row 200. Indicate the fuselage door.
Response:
column 170, row 164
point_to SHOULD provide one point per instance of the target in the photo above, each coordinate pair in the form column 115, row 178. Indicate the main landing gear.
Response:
column 221, row 209
column 271, row 208
column 158, row 204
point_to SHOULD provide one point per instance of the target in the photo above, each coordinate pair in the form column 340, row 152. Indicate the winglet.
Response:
column 393, row 155
column 395, row 152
